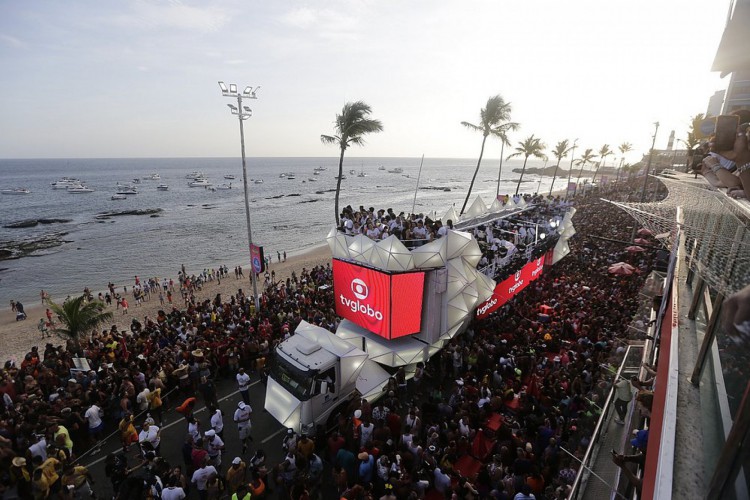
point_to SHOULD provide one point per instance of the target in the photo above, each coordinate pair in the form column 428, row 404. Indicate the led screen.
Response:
column 509, row 287
column 388, row 305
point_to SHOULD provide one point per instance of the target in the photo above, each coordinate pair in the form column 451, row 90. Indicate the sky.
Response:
column 138, row 78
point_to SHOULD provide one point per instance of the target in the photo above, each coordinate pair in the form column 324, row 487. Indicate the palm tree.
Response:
column 493, row 120
column 587, row 157
column 603, row 153
column 351, row 126
column 561, row 151
column 78, row 318
column 625, row 147
column 532, row 146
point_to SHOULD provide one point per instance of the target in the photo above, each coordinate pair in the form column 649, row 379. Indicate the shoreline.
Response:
column 18, row 337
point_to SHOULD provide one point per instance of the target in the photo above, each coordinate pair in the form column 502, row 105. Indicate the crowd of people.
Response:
column 504, row 411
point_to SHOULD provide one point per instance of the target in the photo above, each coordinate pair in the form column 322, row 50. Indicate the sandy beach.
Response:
column 18, row 337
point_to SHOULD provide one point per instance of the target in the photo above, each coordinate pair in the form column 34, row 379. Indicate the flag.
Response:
column 256, row 259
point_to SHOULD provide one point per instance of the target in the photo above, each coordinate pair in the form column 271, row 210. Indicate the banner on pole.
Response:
column 256, row 259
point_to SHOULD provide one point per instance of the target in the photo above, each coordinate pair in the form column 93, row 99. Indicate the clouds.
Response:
column 11, row 41
column 172, row 14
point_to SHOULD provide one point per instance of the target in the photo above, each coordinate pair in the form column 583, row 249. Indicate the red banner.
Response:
column 388, row 305
column 511, row 286
column 256, row 259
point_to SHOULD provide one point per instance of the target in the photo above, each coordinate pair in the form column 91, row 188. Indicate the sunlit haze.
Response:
column 139, row 78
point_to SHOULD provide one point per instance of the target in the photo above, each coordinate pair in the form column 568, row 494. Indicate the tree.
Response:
column 532, row 146
column 625, row 147
column 493, row 120
column 350, row 126
column 603, row 153
column 78, row 318
column 694, row 134
column 587, row 157
column 561, row 151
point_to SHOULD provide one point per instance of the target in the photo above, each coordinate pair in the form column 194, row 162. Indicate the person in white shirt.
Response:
column 150, row 436
column 217, row 421
column 201, row 477
column 214, row 447
column 243, row 381
column 142, row 399
column 39, row 448
column 172, row 491
column 242, row 419
column 94, row 417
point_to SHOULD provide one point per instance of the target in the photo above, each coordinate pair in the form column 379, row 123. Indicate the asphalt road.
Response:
column 267, row 434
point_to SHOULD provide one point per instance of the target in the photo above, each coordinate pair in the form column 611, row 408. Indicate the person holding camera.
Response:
column 728, row 162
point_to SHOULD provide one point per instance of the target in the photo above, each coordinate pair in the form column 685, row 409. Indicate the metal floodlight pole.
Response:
column 242, row 115
column 648, row 164
column 570, row 170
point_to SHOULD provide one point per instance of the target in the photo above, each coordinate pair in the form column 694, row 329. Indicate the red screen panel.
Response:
column 406, row 303
column 388, row 305
column 511, row 286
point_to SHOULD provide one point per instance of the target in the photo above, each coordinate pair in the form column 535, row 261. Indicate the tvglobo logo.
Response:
column 486, row 307
column 361, row 291
column 515, row 287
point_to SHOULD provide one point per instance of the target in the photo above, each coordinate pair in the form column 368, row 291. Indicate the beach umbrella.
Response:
column 645, row 232
column 621, row 268
column 635, row 249
column 641, row 241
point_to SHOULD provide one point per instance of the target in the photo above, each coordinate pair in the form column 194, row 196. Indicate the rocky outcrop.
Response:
column 148, row 211
column 34, row 222
column 23, row 248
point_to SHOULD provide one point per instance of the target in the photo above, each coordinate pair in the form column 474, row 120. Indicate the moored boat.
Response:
column 162, row 187
column 119, row 197
column 152, row 177
column 396, row 170
column 259, row 181
column 229, row 177
column 64, row 183
column 124, row 190
column 18, row 190
column 195, row 175
column 224, row 186
column 199, row 182
column 79, row 189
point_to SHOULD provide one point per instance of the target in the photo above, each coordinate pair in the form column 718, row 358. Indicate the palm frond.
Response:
column 330, row 139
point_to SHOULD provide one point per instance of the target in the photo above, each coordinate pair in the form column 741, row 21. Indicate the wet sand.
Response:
column 18, row 337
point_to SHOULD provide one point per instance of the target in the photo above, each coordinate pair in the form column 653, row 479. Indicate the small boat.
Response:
column 316, row 172
column 396, row 170
column 199, row 182
column 224, row 186
column 119, row 197
column 152, row 177
column 319, row 169
column 124, row 190
column 229, row 177
column 282, row 175
column 290, row 177
column 15, row 191
column 312, row 179
column 195, row 175
column 136, row 181
column 362, row 174
column 259, row 181
column 381, row 167
column 352, row 172
column 162, row 187
column 79, row 189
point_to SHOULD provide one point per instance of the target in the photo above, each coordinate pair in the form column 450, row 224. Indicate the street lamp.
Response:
column 570, row 171
column 243, row 113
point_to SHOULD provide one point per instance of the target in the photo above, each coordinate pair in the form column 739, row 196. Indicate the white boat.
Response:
column 396, row 170
column 127, row 190
column 64, row 183
column 362, row 174
column 79, row 189
column 119, row 197
column 282, row 175
column 199, row 182
column 312, row 179
column 229, row 177
column 259, row 181
column 195, row 175
column 319, row 169
column 224, row 186
column 162, row 187
column 152, row 177
column 15, row 191
column 352, row 172
column 316, row 172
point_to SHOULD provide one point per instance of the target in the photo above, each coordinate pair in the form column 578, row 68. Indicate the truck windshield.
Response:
column 296, row 381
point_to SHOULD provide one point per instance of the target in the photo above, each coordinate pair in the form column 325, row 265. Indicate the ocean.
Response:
column 201, row 228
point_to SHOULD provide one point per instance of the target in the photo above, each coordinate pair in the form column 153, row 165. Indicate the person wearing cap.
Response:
column 244, row 426
column 214, row 447
column 236, row 475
